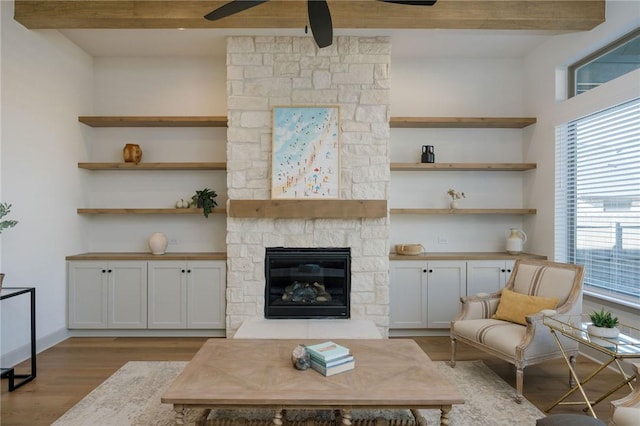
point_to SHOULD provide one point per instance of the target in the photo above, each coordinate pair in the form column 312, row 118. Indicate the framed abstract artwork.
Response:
column 305, row 160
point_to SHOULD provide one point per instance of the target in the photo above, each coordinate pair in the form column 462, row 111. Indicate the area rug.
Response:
column 131, row 396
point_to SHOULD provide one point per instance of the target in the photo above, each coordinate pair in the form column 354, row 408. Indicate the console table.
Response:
column 9, row 373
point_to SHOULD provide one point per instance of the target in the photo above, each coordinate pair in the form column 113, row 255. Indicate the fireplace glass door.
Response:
column 307, row 282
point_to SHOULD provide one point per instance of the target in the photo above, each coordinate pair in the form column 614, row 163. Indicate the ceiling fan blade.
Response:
column 320, row 22
column 412, row 2
column 231, row 8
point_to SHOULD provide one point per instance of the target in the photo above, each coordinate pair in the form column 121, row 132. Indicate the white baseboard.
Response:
column 397, row 332
column 23, row 352
column 147, row 333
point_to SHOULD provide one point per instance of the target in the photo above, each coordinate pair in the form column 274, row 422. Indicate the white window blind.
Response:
column 597, row 211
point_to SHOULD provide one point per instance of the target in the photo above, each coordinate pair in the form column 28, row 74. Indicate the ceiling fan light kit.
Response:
column 318, row 11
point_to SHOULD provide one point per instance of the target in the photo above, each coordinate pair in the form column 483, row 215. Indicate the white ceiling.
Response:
column 211, row 42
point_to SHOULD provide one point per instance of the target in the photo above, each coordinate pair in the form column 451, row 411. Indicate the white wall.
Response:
column 543, row 67
column 46, row 81
column 545, row 74
column 456, row 87
column 151, row 86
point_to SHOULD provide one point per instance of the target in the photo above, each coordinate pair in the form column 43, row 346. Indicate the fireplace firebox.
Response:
column 307, row 282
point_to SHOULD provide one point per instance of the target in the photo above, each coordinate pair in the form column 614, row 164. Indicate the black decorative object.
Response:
column 428, row 156
column 318, row 14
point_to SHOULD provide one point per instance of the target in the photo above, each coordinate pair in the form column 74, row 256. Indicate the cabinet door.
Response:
column 487, row 276
column 446, row 283
column 87, row 294
column 408, row 294
column 206, row 283
column 127, row 299
column 508, row 268
column 167, row 304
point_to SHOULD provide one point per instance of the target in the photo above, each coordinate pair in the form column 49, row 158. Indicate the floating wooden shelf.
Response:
column 422, row 167
column 220, row 121
column 155, row 121
column 462, row 122
column 340, row 209
column 153, row 166
column 148, row 211
column 464, row 211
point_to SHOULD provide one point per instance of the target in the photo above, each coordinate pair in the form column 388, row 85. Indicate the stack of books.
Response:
column 329, row 358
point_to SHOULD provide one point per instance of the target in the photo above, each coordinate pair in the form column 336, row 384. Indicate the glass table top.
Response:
column 577, row 327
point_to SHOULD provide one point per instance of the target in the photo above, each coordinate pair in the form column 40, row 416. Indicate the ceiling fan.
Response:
column 318, row 10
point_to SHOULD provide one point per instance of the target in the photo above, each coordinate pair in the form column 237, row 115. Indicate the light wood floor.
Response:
column 70, row 370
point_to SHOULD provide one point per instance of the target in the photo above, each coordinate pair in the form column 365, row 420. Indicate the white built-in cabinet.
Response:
column 487, row 276
column 425, row 294
column 186, row 294
column 107, row 294
column 146, row 294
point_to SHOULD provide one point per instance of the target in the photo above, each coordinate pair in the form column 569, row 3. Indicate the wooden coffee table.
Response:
column 258, row 373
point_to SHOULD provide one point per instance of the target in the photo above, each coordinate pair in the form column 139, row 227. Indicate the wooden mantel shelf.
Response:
column 324, row 209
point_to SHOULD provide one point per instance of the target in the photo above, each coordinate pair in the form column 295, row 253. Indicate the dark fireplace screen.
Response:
column 307, row 282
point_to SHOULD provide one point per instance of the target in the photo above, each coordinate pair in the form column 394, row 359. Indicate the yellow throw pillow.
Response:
column 514, row 306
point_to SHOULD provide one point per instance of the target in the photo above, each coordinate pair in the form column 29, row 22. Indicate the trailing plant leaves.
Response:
column 5, row 209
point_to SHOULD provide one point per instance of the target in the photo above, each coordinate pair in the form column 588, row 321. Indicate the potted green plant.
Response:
column 603, row 324
column 205, row 199
column 5, row 209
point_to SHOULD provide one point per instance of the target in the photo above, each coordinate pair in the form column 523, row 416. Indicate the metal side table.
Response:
column 625, row 346
column 9, row 373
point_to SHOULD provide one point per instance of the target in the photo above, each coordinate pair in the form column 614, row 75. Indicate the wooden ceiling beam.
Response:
column 554, row 15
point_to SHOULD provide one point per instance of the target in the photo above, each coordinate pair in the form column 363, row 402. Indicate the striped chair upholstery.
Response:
column 519, row 344
column 626, row 411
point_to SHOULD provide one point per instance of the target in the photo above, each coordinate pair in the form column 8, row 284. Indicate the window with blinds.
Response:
column 597, row 212
column 612, row 61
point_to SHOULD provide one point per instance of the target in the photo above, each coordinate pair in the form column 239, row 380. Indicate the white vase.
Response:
column 607, row 332
column 158, row 243
column 515, row 240
column 453, row 204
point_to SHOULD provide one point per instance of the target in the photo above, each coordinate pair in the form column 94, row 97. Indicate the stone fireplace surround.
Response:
column 353, row 73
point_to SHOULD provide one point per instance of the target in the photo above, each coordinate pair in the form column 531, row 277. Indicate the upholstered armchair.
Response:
column 518, row 335
column 626, row 411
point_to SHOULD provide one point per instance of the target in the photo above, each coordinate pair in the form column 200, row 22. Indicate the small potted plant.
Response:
column 603, row 324
column 455, row 196
column 5, row 209
column 205, row 199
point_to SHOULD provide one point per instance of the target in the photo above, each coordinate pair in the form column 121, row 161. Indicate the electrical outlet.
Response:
column 443, row 240
column 173, row 242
